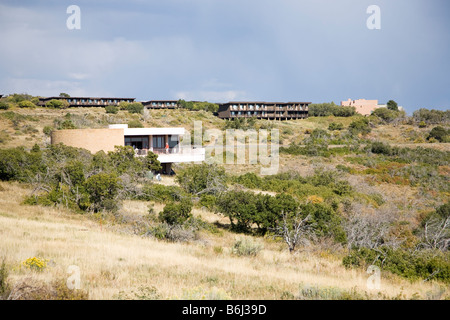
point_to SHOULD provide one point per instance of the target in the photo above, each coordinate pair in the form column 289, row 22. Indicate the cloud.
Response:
column 212, row 96
column 42, row 87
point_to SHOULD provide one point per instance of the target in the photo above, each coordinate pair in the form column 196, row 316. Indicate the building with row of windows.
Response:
column 264, row 110
column 87, row 101
column 161, row 104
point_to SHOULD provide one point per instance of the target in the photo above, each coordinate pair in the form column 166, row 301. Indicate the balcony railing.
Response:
column 180, row 150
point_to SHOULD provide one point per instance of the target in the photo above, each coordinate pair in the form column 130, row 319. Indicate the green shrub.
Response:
column 386, row 114
column 246, row 247
column 18, row 164
column 439, row 133
column 411, row 265
column 324, row 220
column 47, row 130
column 202, row 178
column 161, row 193
column 360, row 126
column 135, row 124
column 335, row 126
column 112, row 109
column 431, row 116
column 66, row 124
column 172, row 232
column 26, row 104
column 123, row 105
column 380, row 148
column 328, row 109
column 4, row 105
column 208, row 201
column 57, row 104
column 102, row 189
column 422, row 124
column 135, row 107
column 5, row 286
column 176, row 212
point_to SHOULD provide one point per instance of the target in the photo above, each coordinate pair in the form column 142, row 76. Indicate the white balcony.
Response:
column 176, row 155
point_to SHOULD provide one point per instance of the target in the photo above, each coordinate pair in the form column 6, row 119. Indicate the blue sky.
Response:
column 227, row 50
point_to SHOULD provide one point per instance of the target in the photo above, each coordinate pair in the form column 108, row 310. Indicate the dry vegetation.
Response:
column 115, row 263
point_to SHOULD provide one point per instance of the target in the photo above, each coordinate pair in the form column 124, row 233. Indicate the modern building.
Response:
column 362, row 106
column 165, row 142
column 87, row 101
column 264, row 110
column 160, row 104
column 400, row 108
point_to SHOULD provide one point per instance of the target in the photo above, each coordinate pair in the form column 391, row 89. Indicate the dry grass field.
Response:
column 116, row 265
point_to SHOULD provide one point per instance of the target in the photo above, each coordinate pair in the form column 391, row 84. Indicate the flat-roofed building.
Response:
column 362, row 106
column 164, row 142
column 87, row 101
column 264, row 110
column 161, row 104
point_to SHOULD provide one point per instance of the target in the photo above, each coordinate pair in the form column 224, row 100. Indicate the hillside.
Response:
column 393, row 185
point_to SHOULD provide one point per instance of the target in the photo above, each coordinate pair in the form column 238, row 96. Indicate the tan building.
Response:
column 165, row 142
column 362, row 106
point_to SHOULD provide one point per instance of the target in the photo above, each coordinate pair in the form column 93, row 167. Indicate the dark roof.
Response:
column 149, row 101
column 111, row 98
column 265, row 102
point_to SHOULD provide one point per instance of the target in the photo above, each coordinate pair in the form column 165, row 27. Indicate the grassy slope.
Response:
column 111, row 259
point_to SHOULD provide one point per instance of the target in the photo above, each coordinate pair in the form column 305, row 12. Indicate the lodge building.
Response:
column 87, row 101
column 264, row 110
column 161, row 104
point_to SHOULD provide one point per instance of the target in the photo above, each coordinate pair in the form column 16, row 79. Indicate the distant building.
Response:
column 87, row 101
column 362, row 106
column 165, row 142
column 264, row 110
column 385, row 106
column 161, row 104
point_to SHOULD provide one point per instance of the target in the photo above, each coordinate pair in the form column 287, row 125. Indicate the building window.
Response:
column 137, row 142
column 233, row 113
column 158, row 142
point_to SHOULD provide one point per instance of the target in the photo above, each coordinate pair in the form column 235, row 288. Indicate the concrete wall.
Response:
column 93, row 140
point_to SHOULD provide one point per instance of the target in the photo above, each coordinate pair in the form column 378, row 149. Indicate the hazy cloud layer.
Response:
column 311, row 50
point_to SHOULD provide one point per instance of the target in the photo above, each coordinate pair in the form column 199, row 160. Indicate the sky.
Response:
column 228, row 50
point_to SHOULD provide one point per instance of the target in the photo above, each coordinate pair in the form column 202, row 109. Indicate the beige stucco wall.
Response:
column 93, row 140
column 362, row 106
